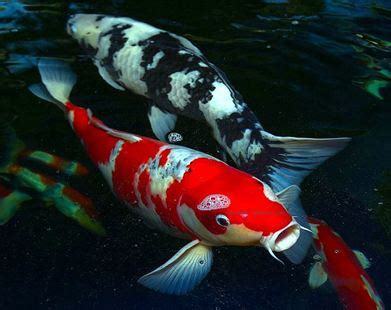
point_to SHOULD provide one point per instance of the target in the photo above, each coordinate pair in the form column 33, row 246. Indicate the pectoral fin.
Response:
column 106, row 76
column 180, row 274
column 162, row 122
column 289, row 197
column 364, row 261
column 318, row 275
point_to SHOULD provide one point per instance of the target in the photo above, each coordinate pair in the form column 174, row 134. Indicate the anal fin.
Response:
column 181, row 273
column 113, row 132
column 317, row 276
column 106, row 76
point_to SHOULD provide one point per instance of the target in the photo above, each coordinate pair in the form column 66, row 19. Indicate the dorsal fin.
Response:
column 112, row 132
column 364, row 261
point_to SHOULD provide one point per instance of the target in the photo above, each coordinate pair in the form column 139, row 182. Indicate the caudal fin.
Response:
column 58, row 80
column 288, row 160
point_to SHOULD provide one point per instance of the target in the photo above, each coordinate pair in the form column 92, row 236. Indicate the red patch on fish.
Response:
column 344, row 270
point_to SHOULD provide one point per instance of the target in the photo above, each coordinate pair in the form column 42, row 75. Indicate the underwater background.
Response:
column 306, row 68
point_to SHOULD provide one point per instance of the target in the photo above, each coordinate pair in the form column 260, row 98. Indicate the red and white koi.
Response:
column 344, row 267
column 179, row 191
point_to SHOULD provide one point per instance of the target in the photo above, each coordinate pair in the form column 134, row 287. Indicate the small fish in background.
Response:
column 20, row 184
column 344, row 267
column 379, row 76
column 179, row 191
column 371, row 41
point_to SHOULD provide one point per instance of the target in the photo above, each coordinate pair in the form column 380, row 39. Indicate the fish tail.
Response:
column 288, row 160
column 58, row 80
column 10, row 202
column 76, row 206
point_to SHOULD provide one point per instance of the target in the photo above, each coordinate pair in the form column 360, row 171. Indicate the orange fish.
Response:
column 344, row 267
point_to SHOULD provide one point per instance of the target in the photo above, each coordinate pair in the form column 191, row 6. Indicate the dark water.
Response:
column 305, row 67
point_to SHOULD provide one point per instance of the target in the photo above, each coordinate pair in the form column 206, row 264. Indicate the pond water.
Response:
column 306, row 68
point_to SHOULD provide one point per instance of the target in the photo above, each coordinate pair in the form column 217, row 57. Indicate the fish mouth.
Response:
column 282, row 239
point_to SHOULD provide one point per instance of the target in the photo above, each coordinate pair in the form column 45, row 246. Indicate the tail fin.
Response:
column 76, row 206
column 10, row 202
column 288, row 160
column 58, row 80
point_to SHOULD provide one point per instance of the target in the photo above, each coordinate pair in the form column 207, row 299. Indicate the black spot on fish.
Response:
column 163, row 39
column 232, row 127
column 176, row 59
column 99, row 18
column 117, row 42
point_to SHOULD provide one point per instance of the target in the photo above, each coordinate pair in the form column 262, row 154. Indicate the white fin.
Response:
column 317, row 275
column 289, row 197
column 112, row 132
column 162, row 122
column 58, row 78
column 289, row 160
column 106, row 76
column 40, row 91
column 364, row 261
column 180, row 274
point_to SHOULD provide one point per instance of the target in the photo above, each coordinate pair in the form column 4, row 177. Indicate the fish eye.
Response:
column 73, row 28
column 222, row 220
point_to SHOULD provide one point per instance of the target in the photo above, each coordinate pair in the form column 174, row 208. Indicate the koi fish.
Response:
column 178, row 80
column 177, row 190
column 344, row 268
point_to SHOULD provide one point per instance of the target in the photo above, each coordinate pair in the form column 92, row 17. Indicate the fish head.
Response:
column 246, row 213
column 85, row 28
